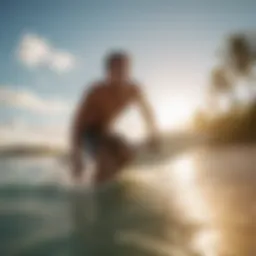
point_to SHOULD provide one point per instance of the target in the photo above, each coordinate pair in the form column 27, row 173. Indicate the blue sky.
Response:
column 173, row 44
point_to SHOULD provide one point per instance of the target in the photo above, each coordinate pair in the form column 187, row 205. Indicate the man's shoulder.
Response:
column 135, row 88
column 95, row 87
column 134, row 83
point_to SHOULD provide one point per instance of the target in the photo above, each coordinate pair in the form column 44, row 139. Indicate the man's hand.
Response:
column 147, row 114
column 154, row 143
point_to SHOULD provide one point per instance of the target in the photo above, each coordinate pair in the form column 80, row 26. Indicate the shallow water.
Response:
column 201, row 202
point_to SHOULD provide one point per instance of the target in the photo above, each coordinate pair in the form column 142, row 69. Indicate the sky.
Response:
column 50, row 51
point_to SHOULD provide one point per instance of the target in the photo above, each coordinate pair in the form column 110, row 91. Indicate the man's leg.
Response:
column 112, row 156
column 106, row 166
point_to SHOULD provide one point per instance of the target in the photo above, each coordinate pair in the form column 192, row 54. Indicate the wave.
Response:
column 122, row 217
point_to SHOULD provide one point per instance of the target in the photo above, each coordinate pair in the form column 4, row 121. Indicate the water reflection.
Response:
column 200, row 203
column 203, row 200
column 134, row 216
column 227, row 177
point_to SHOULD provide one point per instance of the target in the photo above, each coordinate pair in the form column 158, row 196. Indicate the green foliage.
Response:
column 238, row 125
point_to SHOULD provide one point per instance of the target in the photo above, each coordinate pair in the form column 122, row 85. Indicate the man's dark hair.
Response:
column 116, row 58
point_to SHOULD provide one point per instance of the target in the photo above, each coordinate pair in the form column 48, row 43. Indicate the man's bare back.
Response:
column 97, row 111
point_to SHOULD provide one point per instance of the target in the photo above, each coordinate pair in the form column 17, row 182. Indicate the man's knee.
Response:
column 120, row 150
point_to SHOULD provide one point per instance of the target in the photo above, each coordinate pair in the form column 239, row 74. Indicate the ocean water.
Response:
column 34, row 211
column 200, row 202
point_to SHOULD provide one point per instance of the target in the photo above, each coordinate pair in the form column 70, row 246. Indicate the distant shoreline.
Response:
column 31, row 151
column 168, row 141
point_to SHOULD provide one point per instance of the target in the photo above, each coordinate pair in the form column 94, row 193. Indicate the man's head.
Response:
column 118, row 66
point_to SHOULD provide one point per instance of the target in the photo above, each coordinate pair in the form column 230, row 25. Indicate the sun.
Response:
column 176, row 114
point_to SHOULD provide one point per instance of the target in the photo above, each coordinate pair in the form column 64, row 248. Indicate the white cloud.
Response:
column 35, row 51
column 30, row 101
column 61, row 61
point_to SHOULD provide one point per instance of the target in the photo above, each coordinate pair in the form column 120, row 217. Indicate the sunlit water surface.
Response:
column 201, row 202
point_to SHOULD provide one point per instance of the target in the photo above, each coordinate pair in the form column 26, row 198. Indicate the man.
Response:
column 103, row 103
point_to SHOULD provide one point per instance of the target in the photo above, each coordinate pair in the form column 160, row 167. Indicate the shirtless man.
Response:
column 103, row 103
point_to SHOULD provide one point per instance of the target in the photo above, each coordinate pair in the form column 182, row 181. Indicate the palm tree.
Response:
column 238, row 61
column 240, row 55
column 242, row 60
column 220, row 87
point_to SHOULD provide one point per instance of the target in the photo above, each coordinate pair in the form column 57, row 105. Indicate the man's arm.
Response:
column 147, row 112
column 82, row 117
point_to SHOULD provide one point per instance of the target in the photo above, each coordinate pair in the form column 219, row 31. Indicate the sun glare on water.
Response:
column 189, row 195
column 184, row 172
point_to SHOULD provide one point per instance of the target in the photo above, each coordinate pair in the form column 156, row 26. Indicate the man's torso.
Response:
column 107, row 101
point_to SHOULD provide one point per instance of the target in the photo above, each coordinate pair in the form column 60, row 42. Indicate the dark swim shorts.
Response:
column 94, row 139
